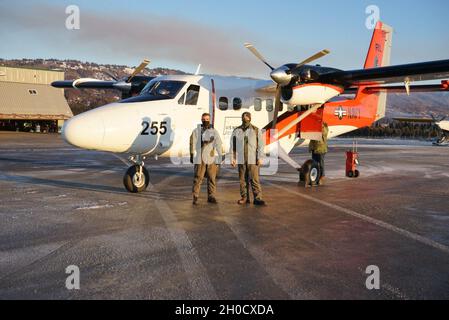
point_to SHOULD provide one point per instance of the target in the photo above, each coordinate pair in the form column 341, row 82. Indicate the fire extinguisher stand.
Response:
column 352, row 160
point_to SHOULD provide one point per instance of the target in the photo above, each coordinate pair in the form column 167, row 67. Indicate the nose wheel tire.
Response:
column 136, row 179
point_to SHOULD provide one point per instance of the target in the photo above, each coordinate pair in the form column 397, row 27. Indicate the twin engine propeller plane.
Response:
column 295, row 103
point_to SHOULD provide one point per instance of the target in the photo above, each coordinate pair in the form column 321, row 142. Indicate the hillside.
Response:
column 418, row 104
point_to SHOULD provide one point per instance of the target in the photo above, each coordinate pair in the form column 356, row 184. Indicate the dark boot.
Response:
column 212, row 200
column 258, row 202
column 195, row 200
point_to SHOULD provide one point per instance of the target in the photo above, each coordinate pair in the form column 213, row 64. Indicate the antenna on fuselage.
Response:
column 197, row 72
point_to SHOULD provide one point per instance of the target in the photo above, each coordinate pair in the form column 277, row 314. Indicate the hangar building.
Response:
column 29, row 103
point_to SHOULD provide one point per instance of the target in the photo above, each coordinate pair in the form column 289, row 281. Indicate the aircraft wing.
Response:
column 433, row 70
column 84, row 84
column 417, row 88
column 444, row 86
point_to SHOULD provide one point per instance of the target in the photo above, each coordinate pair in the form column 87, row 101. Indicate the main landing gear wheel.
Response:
column 310, row 173
column 136, row 179
column 354, row 174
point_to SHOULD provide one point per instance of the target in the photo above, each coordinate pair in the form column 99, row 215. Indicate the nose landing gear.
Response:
column 136, row 178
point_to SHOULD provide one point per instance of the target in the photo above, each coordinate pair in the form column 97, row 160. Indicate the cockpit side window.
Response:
column 181, row 100
column 193, row 93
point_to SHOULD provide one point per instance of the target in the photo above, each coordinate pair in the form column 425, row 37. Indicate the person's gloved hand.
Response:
column 191, row 158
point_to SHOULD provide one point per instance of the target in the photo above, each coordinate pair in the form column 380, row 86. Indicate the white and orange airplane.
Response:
column 295, row 103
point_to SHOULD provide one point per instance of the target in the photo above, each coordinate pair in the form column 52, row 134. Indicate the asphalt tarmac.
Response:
column 61, row 206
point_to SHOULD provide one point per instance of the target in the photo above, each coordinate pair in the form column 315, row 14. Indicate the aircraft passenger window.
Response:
column 257, row 104
column 223, row 103
column 193, row 93
column 269, row 105
column 181, row 100
column 237, row 103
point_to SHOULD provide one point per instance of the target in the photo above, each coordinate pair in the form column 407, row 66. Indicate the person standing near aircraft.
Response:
column 318, row 148
column 247, row 152
column 206, row 154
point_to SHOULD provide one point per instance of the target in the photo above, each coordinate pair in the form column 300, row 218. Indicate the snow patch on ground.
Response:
column 95, row 207
column 59, row 196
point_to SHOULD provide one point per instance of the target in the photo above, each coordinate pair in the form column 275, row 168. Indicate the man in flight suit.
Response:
column 247, row 152
column 318, row 148
column 206, row 154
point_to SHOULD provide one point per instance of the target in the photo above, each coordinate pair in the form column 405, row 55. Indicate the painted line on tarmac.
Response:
column 379, row 223
column 284, row 279
column 200, row 284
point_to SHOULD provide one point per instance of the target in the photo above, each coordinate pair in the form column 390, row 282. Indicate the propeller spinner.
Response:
column 286, row 74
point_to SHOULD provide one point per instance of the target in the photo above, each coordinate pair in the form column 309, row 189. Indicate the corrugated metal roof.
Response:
column 32, row 101
column 27, row 75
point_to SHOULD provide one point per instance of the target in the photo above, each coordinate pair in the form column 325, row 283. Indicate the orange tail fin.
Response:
column 378, row 56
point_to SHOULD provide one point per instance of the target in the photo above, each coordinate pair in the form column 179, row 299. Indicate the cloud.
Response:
column 135, row 36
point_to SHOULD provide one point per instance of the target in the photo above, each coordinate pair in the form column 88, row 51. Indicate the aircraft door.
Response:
column 311, row 127
column 191, row 104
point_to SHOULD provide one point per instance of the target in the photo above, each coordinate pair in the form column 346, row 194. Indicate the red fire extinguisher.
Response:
column 352, row 160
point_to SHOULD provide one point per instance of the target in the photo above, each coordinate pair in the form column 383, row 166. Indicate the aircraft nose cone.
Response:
column 280, row 76
column 84, row 131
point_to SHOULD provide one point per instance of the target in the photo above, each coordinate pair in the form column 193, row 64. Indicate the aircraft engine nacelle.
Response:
column 309, row 94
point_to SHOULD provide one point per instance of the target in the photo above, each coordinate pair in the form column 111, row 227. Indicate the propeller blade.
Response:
column 277, row 106
column 254, row 51
column 138, row 69
column 316, row 56
column 110, row 75
column 433, row 117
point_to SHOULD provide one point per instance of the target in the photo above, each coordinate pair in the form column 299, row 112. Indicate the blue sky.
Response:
column 180, row 33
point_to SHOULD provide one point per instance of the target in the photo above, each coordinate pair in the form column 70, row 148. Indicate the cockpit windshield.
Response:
column 163, row 88
column 156, row 90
